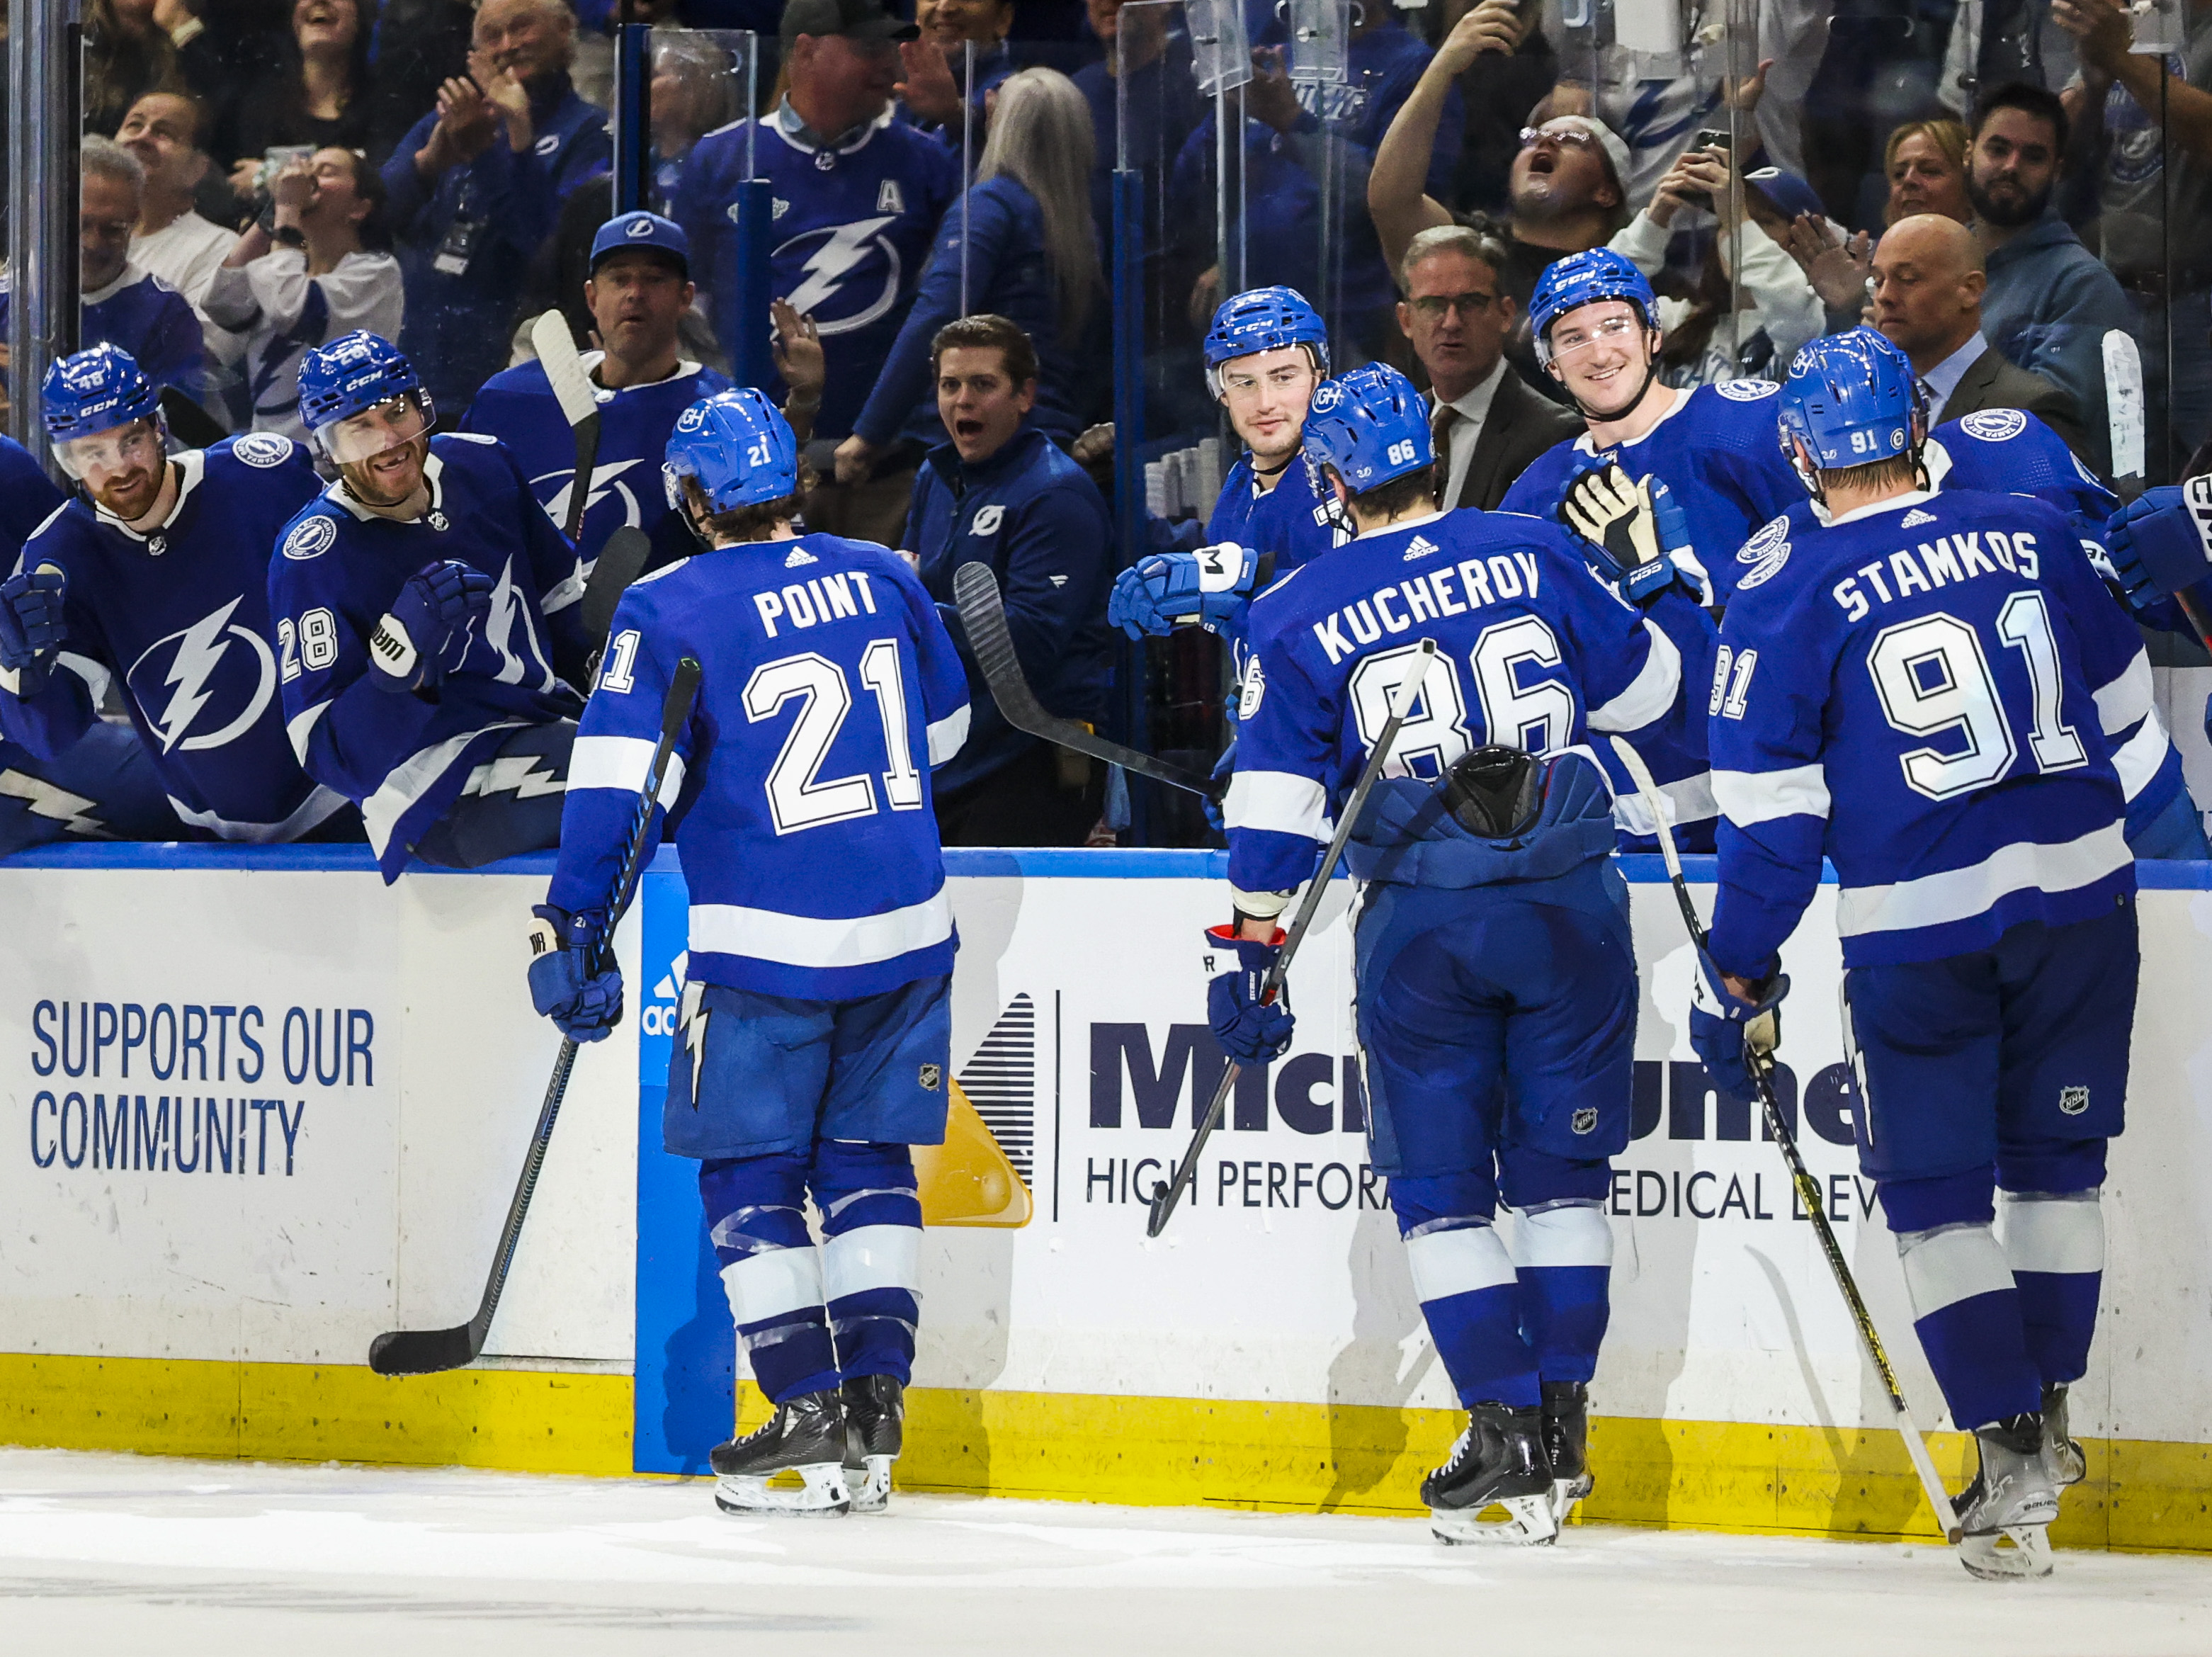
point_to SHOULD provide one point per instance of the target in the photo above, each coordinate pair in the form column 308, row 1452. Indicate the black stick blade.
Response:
column 421, row 1351
column 612, row 571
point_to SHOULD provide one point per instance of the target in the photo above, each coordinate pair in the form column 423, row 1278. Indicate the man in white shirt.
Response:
column 1487, row 425
column 172, row 240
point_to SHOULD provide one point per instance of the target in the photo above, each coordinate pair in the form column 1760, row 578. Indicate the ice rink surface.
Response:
column 135, row 1555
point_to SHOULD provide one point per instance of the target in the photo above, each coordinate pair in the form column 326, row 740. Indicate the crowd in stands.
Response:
column 260, row 177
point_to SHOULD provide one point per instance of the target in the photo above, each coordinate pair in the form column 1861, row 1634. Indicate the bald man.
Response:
column 1928, row 287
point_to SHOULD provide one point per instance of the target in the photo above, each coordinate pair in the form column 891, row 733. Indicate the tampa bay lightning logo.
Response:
column 204, row 686
column 846, row 276
column 1994, row 425
column 311, row 538
column 1747, row 391
column 263, row 448
column 1766, row 553
column 608, row 490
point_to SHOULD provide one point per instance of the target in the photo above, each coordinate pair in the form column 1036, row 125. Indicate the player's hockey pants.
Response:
column 809, row 1317
column 1498, row 1033
column 1992, row 1081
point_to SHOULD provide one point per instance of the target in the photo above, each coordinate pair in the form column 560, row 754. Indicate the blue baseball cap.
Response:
column 642, row 230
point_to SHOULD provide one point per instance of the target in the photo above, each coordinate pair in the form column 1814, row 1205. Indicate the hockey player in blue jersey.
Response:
column 428, row 609
column 816, row 1018
column 1497, row 988
column 157, row 578
column 638, row 291
column 1925, row 690
column 2008, row 452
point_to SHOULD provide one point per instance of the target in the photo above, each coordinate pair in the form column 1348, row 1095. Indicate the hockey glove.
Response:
column 2162, row 542
column 31, row 626
column 425, row 634
column 1251, row 1031
column 1620, row 522
column 585, row 1004
column 1157, row 595
column 1730, row 1033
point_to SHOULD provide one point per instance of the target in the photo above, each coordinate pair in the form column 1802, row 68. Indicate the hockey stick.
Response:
column 1165, row 1198
column 612, row 571
column 579, row 406
column 424, row 1351
column 1808, row 1189
column 983, row 613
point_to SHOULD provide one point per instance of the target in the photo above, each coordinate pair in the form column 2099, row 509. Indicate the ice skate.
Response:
column 1566, row 1441
column 875, row 1422
column 2062, row 1455
column 2013, row 1499
column 1499, row 1461
column 807, row 1436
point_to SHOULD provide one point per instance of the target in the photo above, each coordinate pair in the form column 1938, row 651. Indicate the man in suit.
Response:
column 1928, row 287
column 1488, row 426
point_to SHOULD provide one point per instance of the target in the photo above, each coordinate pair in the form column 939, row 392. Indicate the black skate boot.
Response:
column 875, row 1429
column 2062, row 1455
column 1499, row 1461
column 2013, row 1499
column 806, row 1436
column 1566, row 1439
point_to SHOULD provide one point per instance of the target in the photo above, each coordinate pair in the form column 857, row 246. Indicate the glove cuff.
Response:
column 1252, row 955
column 392, row 651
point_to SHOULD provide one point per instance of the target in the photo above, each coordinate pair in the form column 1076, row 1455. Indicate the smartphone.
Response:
column 1710, row 137
column 280, row 157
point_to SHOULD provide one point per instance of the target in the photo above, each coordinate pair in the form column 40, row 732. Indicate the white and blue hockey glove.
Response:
column 1629, row 527
column 1168, row 590
column 426, row 632
column 2162, row 541
column 584, row 1004
column 1251, row 1031
column 31, row 626
column 1728, row 1030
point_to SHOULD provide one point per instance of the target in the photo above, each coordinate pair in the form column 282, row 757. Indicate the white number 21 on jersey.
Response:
column 798, row 796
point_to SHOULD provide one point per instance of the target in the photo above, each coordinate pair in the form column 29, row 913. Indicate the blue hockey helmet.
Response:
column 96, row 389
column 1851, row 399
column 1586, row 278
column 1263, row 320
column 1370, row 425
column 352, row 374
column 738, row 446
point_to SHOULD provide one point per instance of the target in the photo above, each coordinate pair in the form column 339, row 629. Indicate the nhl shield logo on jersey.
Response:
column 203, row 686
column 2073, row 1101
column 1766, row 553
column 1747, row 391
column 263, row 448
column 1993, row 425
column 1584, row 1120
column 310, row 538
column 932, row 1077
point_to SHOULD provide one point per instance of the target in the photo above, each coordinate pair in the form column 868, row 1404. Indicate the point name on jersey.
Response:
column 820, row 599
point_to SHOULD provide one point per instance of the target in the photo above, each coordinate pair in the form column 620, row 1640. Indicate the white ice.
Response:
column 159, row 1557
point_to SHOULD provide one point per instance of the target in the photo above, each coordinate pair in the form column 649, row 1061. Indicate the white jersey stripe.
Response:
column 808, row 941
column 1748, row 797
column 1565, row 1235
column 948, row 736
column 2053, row 1233
column 317, row 805
column 871, row 1257
column 621, row 763
column 2137, row 760
column 1650, row 694
column 773, row 1283
column 1280, row 802
column 1942, row 1268
column 412, row 778
column 1459, row 1261
column 1689, row 799
column 2128, row 698
column 303, row 727
column 1959, row 895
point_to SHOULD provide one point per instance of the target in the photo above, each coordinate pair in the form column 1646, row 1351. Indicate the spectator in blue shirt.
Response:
column 478, row 185
column 999, row 493
column 1032, row 255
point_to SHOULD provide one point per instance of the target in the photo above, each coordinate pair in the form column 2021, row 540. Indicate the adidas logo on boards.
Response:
column 1420, row 547
column 800, row 555
column 1915, row 518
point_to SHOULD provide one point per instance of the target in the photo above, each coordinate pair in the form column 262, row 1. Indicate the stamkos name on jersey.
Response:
column 1486, row 580
column 1952, row 558
column 824, row 598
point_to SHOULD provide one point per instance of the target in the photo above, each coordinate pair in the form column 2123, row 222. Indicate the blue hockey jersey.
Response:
column 1288, row 521
column 853, row 222
column 28, row 498
column 406, row 758
column 803, row 803
column 518, row 407
column 1534, row 652
column 1719, row 451
column 1925, row 690
column 146, row 317
column 181, row 617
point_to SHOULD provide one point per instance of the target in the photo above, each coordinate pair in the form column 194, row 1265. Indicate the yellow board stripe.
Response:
column 1293, row 1457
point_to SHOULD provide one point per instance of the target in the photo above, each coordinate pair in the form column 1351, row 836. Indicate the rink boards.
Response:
column 264, row 1107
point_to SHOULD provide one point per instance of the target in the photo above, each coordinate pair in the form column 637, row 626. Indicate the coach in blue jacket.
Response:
column 1000, row 494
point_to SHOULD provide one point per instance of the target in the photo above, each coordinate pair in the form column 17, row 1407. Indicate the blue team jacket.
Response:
column 148, row 318
column 1038, row 520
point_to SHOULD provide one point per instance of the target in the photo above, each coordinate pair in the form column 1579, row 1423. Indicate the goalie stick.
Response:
column 579, row 406
column 1165, row 1198
column 1808, row 1191
column 983, row 613
column 425, row 1351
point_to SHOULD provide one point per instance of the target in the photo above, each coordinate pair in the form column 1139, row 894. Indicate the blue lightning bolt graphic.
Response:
column 197, row 652
column 827, row 266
